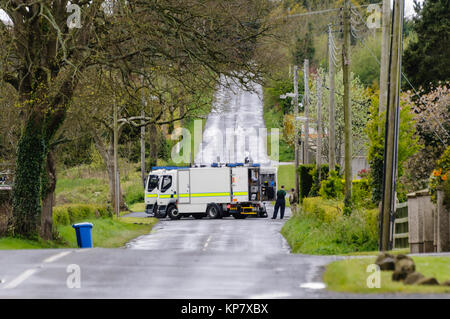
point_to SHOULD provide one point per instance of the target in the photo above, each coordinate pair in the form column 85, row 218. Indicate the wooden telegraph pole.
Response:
column 319, row 125
column 306, row 107
column 116, row 164
column 296, row 129
column 392, row 127
column 347, row 106
column 143, row 171
column 384, row 63
column 331, row 115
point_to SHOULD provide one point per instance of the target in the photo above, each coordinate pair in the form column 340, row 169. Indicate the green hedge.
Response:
column 322, row 228
column 305, row 179
column 68, row 214
column 309, row 179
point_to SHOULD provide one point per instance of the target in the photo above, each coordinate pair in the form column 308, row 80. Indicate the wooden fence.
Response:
column 401, row 232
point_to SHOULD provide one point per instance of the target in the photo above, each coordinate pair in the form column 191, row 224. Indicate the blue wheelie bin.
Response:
column 84, row 234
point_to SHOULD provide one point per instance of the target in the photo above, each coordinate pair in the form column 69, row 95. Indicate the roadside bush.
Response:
column 134, row 194
column 68, row 214
column 362, row 193
column 306, row 180
column 324, row 169
column 332, row 187
column 325, row 210
column 323, row 229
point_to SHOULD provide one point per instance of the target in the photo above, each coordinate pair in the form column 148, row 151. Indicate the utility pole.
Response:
column 143, row 171
column 387, row 213
column 384, row 64
column 116, row 166
column 347, row 106
column 331, row 113
column 306, row 106
column 319, row 125
column 296, row 129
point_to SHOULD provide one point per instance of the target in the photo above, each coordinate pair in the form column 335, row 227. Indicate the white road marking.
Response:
column 207, row 243
column 313, row 285
column 21, row 278
column 28, row 273
column 270, row 295
column 56, row 257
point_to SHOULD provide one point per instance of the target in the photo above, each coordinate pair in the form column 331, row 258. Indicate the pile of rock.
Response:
column 405, row 270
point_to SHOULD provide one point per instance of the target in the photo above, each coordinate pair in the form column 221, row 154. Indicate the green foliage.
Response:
column 322, row 229
column 272, row 93
column 164, row 148
column 426, row 60
column 68, row 214
column 305, row 179
column 134, row 194
column 27, row 182
column 360, row 104
column 332, row 187
column 315, row 176
column 439, row 177
column 76, row 152
column 362, row 193
column 408, row 143
column 327, row 210
column 364, row 65
column 304, row 47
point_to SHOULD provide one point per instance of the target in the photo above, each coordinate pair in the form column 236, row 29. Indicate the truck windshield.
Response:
column 153, row 181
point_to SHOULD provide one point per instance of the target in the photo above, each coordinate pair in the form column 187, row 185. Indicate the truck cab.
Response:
column 167, row 193
column 152, row 190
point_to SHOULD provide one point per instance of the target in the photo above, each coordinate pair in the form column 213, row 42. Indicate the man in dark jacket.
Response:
column 280, row 203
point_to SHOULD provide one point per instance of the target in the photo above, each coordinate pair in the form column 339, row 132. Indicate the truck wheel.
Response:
column 213, row 211
column 173, row 213
column 262, row 213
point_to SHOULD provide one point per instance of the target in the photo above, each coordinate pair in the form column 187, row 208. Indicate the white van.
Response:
column 215, row 191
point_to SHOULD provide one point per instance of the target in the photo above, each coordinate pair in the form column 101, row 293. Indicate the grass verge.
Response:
column 351, row 275
column 308, row 233
column 106, row 233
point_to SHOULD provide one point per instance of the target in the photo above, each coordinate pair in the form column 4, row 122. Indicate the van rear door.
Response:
column 183, row 187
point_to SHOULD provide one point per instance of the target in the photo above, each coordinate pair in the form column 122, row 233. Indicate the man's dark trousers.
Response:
column 279, row 205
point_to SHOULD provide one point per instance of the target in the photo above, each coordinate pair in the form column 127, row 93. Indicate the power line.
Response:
column 412, row 87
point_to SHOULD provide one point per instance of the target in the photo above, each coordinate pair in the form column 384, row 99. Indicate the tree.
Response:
column 426, row 61
column 432, row 117
column 304, row 47
column 408, row 143
column 45, row 59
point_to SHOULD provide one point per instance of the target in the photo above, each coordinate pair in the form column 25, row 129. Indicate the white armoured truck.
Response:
column 214, row 191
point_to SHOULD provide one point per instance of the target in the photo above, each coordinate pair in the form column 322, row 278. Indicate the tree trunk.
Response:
column 107, row 155
column 48, row 196
column 154, row 138
column 27, row 181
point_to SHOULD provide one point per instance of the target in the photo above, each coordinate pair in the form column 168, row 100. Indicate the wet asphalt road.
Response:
column 184, row 259
column 188, row 258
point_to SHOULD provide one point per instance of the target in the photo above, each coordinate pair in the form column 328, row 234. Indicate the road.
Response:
column 235, row 127
column 185, row 258
column 180, row 259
